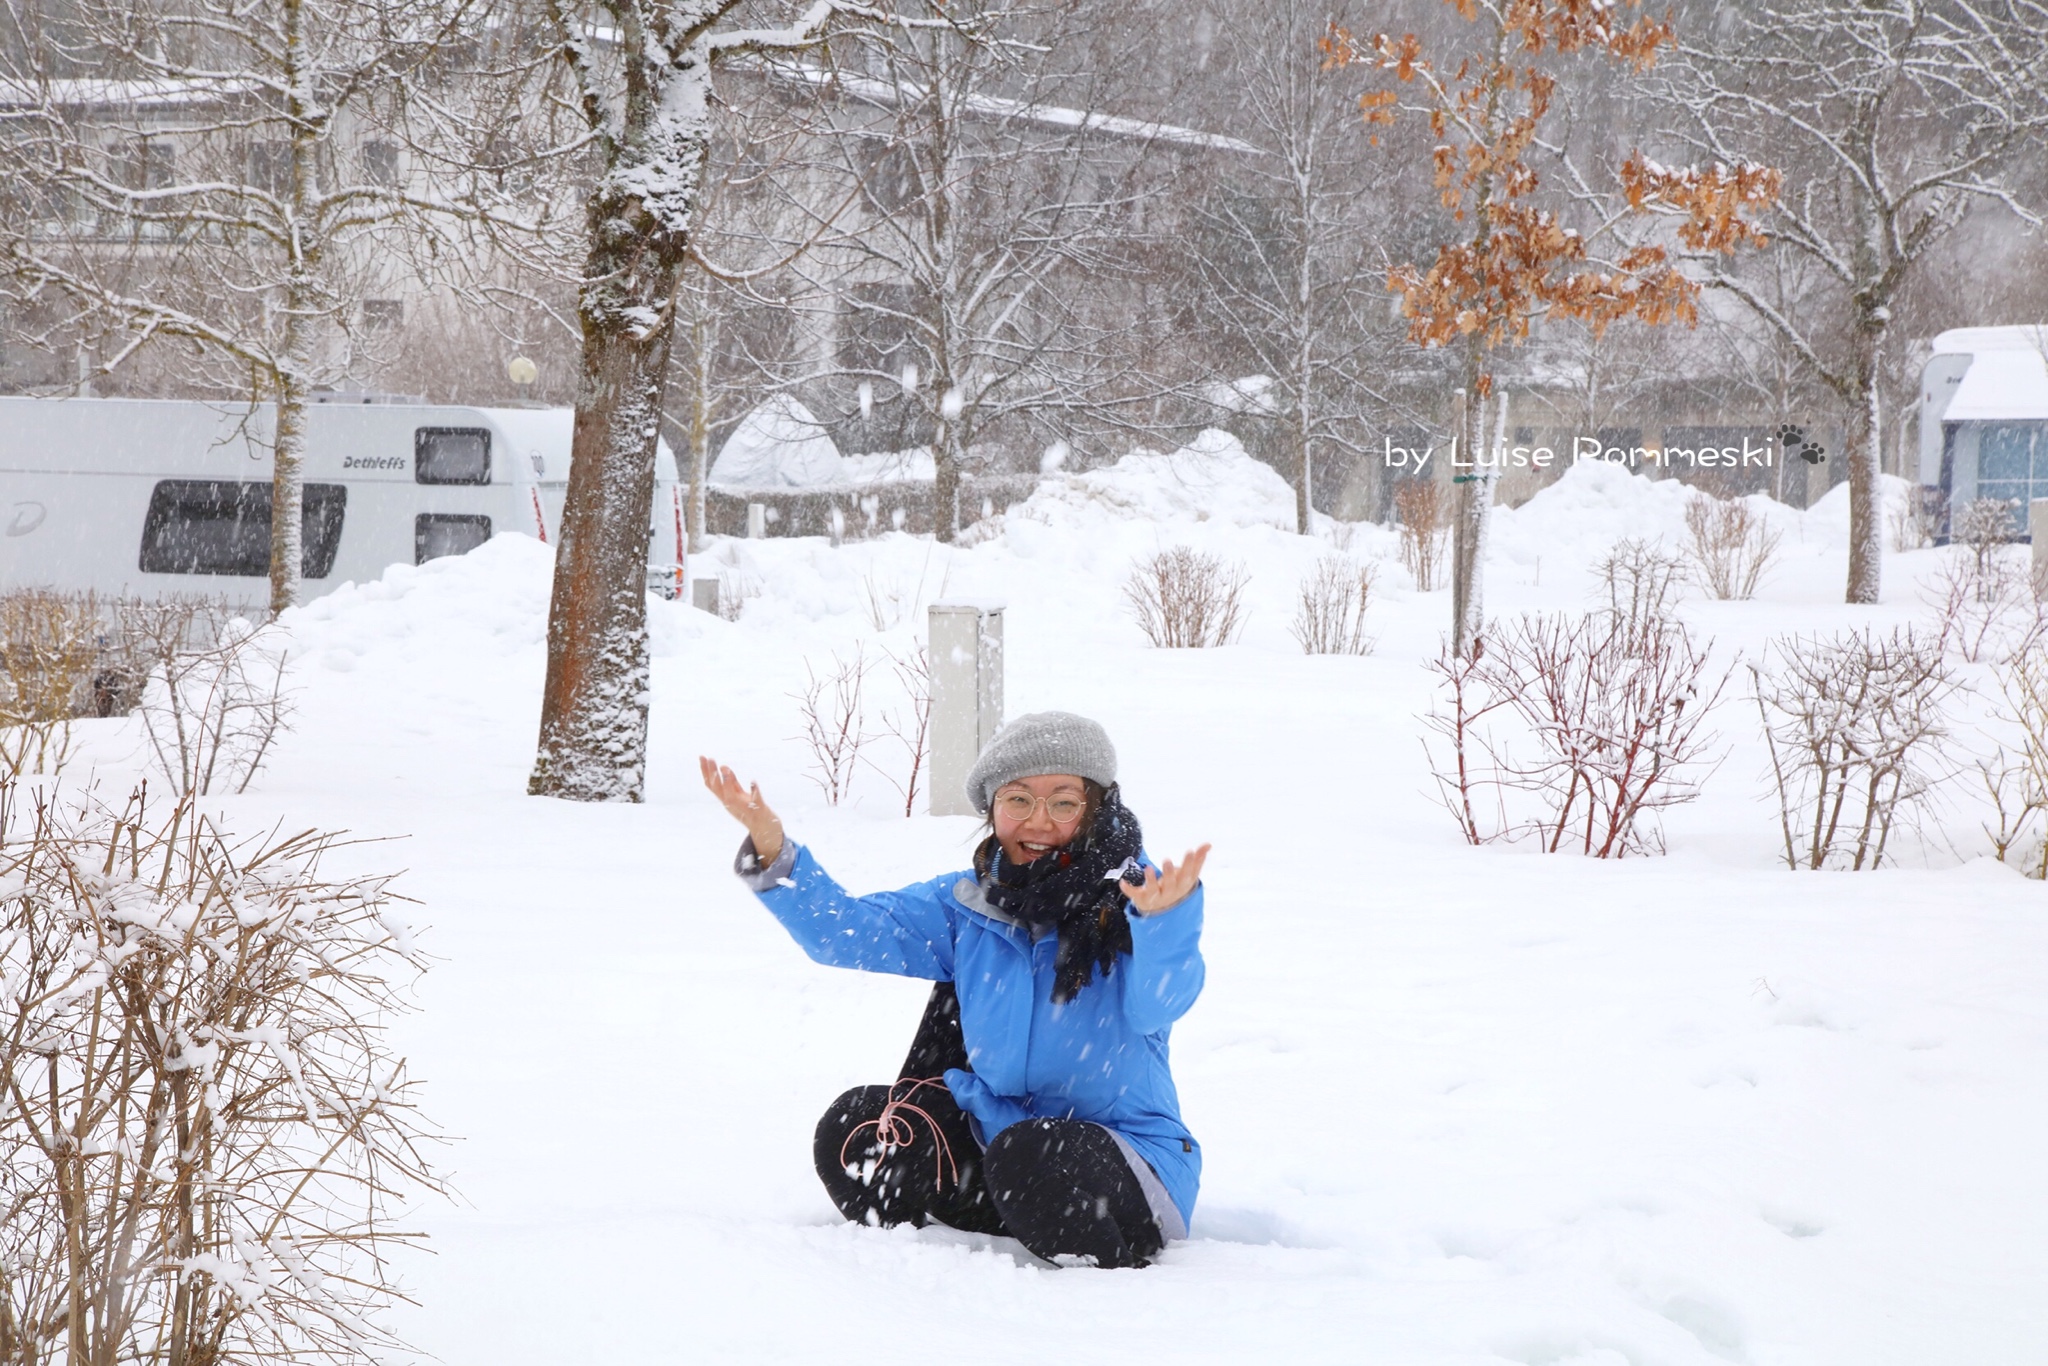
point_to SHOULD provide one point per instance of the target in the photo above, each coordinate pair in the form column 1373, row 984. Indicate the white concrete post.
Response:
column 704, row 594
column 966, row 645
column 757, row 521
column 2037, row 527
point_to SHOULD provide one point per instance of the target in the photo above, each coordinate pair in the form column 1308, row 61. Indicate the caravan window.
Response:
column 222, row 526
column 451, row 455
column 435, row 534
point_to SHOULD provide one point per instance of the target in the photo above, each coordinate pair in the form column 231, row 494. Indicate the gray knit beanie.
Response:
column 1040, row 743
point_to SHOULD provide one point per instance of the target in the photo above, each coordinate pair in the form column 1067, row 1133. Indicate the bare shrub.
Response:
column 2017, row 779
column 1187, row 600
column 1857, row 737
column 911, row 727
column 1983, row 526
column 1643, row 582
column 1731, row 546
column 1985, row 605
column 835, row 722
column 204, row 1132
column 1329, row 619
column 1468, row 769
column 890, row 602
column 215, row 703
column 735, row 591
column 1914, row 521
column 1425, row 516
column 50, row 645
column 1607, row 717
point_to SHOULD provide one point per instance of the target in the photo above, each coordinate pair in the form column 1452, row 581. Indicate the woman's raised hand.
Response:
column 1168, row 886
column 743, row 803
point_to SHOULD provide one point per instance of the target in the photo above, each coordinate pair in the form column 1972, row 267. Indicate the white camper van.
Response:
column 134, row 498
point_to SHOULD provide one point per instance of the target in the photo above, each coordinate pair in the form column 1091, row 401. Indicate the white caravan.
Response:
column 137, row 498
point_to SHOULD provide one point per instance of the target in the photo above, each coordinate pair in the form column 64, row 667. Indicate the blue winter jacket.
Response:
column 1100, row 1057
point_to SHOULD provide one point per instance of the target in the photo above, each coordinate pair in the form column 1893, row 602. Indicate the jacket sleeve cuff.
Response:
column 758, row 878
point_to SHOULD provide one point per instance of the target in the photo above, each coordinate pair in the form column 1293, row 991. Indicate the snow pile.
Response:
column 780, row 444
column 1828, row 519
column 488, row 603
column 1209, row 479
column 1591, row 506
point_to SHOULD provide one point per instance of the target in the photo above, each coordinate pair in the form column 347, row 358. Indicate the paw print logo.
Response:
column 1792, row 440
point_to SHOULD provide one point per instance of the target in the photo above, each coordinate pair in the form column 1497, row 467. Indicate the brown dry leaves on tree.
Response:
column 1521, row 262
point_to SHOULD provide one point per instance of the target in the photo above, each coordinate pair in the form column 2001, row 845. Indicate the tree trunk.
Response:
column 946, row 481
column 1304, row 461
column 287, row 489
column 700, row 433
column 1472, row 500
column 593, row 722
column 1866, row 522
column 593, row 730
column 302, row 306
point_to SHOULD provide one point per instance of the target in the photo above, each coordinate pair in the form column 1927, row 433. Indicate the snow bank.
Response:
column 1209, row 479
column 780, row 444
column 488, row 603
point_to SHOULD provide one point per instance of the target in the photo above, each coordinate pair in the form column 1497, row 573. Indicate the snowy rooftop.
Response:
column 1058, row 116
column 1974, row 340
column 96, row 93
column 2001, row 386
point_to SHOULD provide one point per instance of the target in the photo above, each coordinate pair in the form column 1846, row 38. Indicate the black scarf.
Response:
column 1077, row 889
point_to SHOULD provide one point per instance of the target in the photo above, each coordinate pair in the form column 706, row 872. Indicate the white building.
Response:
column 1984, row 416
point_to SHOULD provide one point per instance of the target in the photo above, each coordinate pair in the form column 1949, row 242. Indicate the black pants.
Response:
column 904, row 1154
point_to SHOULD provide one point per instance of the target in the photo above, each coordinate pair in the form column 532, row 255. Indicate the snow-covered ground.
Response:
column 1458, row 1105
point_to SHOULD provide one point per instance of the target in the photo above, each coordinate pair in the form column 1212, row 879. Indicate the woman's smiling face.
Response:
column 1056, row 804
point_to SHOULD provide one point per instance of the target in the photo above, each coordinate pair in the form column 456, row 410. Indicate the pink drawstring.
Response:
column 893, row 1131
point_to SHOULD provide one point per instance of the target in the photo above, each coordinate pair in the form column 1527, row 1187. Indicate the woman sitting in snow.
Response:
column 1037, row 1099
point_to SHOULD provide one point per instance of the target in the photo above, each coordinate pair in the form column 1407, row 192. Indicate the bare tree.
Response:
column 1290, row 243
column 643, row 81
column 1509, row 257
column 1894, row 119
column 991, row 194
column 229, row 176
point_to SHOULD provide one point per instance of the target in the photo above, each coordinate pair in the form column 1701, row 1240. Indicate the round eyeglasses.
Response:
column 1062, row 808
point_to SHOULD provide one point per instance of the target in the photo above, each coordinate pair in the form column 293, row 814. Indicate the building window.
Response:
column 383, row 315
column 888, row 174
column 380, row 162
column 875, row 328
column 451, row 455
column 435, row 534
column 145, row 164
column 222, row 526
column 2012, row 465
column 137, row 164
column 270, row 167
